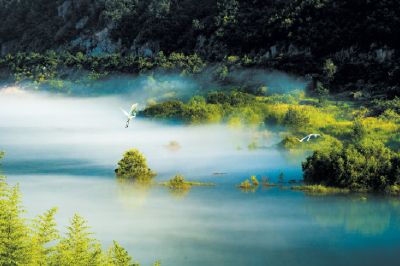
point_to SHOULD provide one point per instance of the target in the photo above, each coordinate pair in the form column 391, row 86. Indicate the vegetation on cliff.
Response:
column 359, row 53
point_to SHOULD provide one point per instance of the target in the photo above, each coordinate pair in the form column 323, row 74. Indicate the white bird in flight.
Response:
column 309, row 136
column 131, row 114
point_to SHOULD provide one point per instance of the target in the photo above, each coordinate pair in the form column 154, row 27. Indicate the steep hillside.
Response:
column 361, row 38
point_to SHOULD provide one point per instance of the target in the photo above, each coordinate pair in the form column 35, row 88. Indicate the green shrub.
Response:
column 254, row 180
column 380, row 106
column 179, row 182
column 367, row 165
column 322, row 94
column 133, row 166
column 165, row 109
column 289, row 142
column 359, row 130
column 246, row 185
column 218, row 97
column 296, row 117
column 253, row 146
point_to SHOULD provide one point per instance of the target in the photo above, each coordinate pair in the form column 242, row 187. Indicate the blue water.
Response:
column 63, row 153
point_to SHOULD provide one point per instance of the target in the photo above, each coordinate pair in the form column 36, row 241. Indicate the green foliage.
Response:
column 390, row 116
column 77, row 248
column 329, row 71
column 133, row 166
column 240, row 99
column 254, row 180
column 380, row 106
column 281, row 176
column 43, row 232
column 246, row 185
column 167, row 109
column 13, row 230
column 296, row 117
column 367, row 165
column 288, row 142
column 118, row 256
column 197, row 100
column 218, row 98
column 31, row 242
column 253, row 146
column 319, row 189
column 359, row 130
column 179, row 182
column 322, row 94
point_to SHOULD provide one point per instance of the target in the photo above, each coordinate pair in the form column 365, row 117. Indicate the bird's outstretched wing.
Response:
column 124, row 112
column 133, row 109
column 303, row 138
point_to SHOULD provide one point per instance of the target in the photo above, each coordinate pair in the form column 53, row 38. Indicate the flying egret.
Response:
column 308, row 137
column 315, row 135
column 131, row 114
column 301, row 140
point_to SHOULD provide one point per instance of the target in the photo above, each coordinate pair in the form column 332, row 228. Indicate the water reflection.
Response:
column 133, row 194
column 178, row 193
column 371, row 217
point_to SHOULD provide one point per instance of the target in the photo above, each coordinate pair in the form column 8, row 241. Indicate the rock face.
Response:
column 64, row 10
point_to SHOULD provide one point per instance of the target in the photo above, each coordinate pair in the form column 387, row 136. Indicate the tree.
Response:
column 359, row 130
column 218, row 97
column 322, row 94
column 296, row 117
column 77, row 248
column 118, row 256
column 133, row 166
column 13, row 230
column 366, row 165
column 329, row 71
column 281, row 176
column 43, row 233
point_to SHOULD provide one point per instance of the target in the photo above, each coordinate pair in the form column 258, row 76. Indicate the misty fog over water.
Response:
column 63, row 152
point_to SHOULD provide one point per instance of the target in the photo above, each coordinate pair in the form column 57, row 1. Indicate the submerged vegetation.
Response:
column 37, row 241
column 246, row 185
column 133, row 166
column 312, row 189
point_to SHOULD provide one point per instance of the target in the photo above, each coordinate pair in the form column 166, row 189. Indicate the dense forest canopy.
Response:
column 347, row 46
column 223, row 26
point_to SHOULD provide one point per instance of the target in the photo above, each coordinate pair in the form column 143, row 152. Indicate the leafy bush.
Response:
column 359, row 130
column 246, row 185
column 242, row 99
column 380, row 106
column 178, row 182
column 133, row 166
column 168, row 109
column 218, row 97
column 254, row 180
column 288, row 142
column 366, row 165
column 296, row 117
column 322, row 94
column 253, row 146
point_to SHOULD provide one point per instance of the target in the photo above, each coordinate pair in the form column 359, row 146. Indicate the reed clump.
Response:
column 265, row 182
column 247, row 185
column 319, row 189
column 179, row 182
